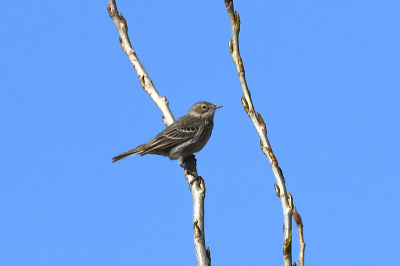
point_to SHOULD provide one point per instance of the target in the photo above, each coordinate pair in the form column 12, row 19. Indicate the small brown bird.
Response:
column 187, row 135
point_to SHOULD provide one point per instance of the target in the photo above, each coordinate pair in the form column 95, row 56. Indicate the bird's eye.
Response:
column 203, row 107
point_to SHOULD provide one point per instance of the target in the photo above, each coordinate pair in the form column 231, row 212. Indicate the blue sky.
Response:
column 324, row 76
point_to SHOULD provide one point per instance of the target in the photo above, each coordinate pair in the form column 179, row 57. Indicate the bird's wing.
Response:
column 183, row 129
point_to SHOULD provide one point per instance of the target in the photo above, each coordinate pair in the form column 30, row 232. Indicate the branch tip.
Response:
column 297, row 218
column 299, row 223
column 208, row 253
column 228, row 4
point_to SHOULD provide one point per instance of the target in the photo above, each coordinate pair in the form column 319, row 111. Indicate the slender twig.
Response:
column 144, row 78
column 197, row 186
column 299, row 223
column 261, row 129
column 198, row 190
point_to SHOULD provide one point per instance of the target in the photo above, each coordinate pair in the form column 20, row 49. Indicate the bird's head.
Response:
column 203, row 109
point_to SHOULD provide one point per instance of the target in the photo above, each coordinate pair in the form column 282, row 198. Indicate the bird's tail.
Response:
column 137, row 150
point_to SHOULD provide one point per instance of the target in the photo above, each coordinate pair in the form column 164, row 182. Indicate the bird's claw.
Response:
column 192, row 174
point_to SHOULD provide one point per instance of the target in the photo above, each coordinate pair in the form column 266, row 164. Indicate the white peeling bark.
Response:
column 196, row 184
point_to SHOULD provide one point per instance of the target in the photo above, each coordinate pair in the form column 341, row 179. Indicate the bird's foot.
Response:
column 190, row 175
column 191, row 161
column 190, row 172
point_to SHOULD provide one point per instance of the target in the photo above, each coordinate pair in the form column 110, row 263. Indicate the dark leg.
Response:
column 181, row 162
column 189, row 164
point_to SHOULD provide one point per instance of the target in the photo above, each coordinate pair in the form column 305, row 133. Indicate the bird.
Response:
column 184, row 137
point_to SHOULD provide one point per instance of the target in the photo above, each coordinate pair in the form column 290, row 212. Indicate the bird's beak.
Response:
column 217, row 106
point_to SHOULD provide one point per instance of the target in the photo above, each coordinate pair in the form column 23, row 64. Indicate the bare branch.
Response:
column 196, row 183
column 261, row 129
column 144, row 78
column 198, row 190
column 299, row 223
